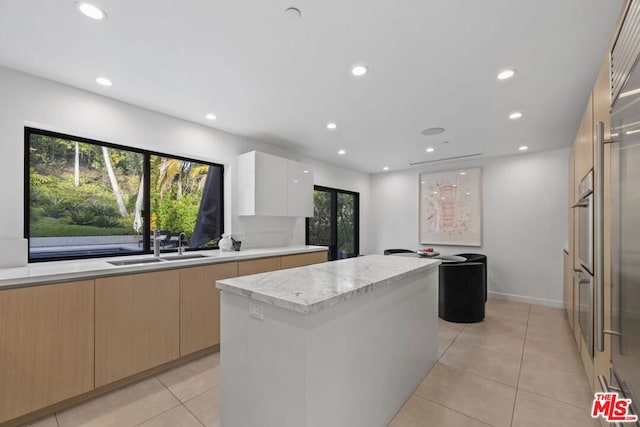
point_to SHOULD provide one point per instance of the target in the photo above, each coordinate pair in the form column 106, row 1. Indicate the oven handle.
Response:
column 578, row 274
column 599, row 234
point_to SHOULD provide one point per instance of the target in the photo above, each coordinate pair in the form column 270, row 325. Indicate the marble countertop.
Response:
column 311, row 288
column 64, row 271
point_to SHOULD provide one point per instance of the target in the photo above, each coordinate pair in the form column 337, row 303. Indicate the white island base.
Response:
column 350, row 364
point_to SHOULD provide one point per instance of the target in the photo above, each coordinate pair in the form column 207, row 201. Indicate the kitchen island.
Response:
column 343, row 343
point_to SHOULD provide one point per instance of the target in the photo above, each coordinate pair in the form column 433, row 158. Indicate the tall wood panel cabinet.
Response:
column 46, row 346
column 137, row 323
column 200, row 305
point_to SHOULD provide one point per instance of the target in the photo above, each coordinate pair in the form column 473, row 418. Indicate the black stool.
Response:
column 479, row 258
column 461, row 292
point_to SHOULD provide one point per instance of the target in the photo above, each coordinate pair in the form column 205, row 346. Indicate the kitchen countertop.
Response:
column 64, row 271
column 311, row 288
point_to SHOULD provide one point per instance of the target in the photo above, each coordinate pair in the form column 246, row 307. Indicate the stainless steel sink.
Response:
column 183, row 257
column 135, row 261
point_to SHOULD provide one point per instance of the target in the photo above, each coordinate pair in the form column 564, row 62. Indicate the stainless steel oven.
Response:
column 585, row 252
column 585, row 222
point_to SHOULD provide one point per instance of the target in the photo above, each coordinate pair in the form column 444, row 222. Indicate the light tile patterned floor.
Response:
column 518, row 368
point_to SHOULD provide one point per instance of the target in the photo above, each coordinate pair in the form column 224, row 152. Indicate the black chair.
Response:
column 398, row 251
column 478, row 258
column 461, row 292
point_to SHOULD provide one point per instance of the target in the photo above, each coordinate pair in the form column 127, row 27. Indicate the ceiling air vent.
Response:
column 444, row 160
column 626, row 49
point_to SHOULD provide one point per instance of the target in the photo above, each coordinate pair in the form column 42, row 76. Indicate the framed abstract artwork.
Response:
column 451, row 207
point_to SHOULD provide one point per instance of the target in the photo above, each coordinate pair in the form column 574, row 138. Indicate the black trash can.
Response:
column 461, row 290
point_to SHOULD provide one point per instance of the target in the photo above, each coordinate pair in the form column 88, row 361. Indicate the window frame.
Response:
column 146, row 210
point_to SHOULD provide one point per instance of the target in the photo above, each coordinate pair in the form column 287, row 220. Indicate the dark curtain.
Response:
column 209, row 220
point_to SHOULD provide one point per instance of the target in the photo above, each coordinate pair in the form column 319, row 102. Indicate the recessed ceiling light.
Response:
column 386, row 168
column 432, row 131
column 305, row 171
column 359, row 70
column 506, row 74
column 210, row 116
column 103, row 81
column 421, row 182
column 292, row 13
column 430, row 150
column 515, row 115
column 342, row 152
column 523, row 148
column 331, row 125
column 463, row 173
column 91, row 11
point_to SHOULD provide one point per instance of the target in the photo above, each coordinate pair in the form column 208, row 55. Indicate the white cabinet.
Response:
column 299, row 189
column 273, row 186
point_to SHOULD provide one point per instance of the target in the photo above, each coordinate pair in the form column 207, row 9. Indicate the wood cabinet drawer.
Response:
column 262, row 265
column 200, row 305
column 46, row 345
column 137, row 323
column 299, row 260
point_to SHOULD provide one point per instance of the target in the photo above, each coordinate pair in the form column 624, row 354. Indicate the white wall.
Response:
column 524, row 227
column 31, row 101
column 524, row 196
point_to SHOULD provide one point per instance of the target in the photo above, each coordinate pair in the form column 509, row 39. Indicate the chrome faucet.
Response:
column 181, row 238
column 156, row 243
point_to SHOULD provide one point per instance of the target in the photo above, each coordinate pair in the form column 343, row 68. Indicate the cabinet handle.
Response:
column 599, row 233
column 605, row 386
column 578, row 274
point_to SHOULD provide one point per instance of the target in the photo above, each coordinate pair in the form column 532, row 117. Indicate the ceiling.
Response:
column 431, row 63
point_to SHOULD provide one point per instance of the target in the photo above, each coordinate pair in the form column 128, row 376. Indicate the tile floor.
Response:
column 518, row 368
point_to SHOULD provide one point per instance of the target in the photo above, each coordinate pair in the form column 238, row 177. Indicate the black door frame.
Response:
column 333, row 245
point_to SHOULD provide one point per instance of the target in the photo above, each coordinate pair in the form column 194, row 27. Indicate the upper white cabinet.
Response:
column 300, row 189
column 273, row 186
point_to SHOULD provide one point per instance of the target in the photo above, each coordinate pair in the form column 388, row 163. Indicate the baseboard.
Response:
column 526, row 300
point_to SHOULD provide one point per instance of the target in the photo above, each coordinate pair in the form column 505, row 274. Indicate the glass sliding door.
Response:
column 335, row 222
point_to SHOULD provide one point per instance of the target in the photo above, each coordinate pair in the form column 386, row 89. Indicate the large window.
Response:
column 87, row 198
column 335, row 222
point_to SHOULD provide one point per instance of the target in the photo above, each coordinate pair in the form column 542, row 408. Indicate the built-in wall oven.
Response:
column 585, row 222
column 584, row 272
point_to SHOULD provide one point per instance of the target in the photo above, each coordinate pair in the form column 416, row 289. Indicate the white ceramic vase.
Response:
column 226, row 244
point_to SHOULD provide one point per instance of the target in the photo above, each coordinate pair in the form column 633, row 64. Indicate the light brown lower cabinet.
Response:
column 62, row 340
column 299, row 260
column 137, row 323
column 46, row 345
column 200, row 305
column 261, row 265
